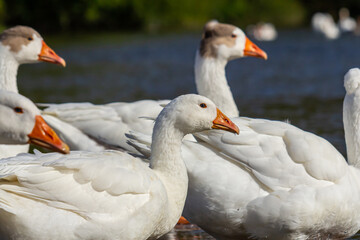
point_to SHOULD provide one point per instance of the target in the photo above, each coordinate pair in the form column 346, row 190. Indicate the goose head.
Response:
column 344, row 13
column 194, row 113
column 27, row 46
column 352, row 80
column 21, row 123
column 227, row 42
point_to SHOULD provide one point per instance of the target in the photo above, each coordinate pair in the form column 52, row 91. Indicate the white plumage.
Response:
column 105, row 195
column 274, row 180
column 106, row 124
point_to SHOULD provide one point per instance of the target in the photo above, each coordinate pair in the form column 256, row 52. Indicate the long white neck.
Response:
column 211, row 82
column 166, row 161
column 351, row 118
column 8, row 70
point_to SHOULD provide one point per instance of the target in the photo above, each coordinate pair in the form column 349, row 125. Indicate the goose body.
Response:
column 220, row 43
column 291, row 176
column 105, row 195
column 280, row 182
column 21, row 45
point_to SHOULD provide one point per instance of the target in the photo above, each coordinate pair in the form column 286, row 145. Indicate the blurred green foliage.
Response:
column 153, row 15
column 2, row 14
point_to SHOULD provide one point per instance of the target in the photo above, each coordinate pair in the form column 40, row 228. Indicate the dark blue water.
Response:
column 302, row 80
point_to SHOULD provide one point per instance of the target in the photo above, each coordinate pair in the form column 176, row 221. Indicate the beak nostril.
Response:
column 50, row 136
column 47, row 132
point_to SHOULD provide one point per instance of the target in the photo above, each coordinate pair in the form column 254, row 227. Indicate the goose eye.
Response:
column 18, row 110
column 208, row 34
column 203, row 105
column 233, row 35
column 30, row 38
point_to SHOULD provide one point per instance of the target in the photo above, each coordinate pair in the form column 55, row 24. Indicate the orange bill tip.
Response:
column 252, row 50
column 183, row 221
column 42, row 135
column 224, row 123
column 48, row 55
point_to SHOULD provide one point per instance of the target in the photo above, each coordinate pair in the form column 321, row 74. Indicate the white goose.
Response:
column 109, row 123
column 324, row 24
column 262, row 31
column 274, row 180
column 20, row 45
column 105, row 195
column 346, row 22
column 21, row 124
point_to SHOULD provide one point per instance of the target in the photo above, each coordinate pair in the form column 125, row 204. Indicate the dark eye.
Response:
column 30, row 38
column 18, row 110
column 207, row 34
column 233, row 35
column 203, row 105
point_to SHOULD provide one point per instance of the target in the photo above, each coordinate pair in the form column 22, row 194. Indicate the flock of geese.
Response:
column 324, row 24
column 236, row 177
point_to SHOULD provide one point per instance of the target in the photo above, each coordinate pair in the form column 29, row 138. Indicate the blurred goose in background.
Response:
column 21, row 45
column 274, row 180
column 346, row 23
column 105, row 195
column 21, row 123
column 262, row 31
column 108, row 124
column 357, row 29
column 324, row 24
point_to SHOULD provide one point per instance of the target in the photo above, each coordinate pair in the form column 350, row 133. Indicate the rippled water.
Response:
column 302, row 80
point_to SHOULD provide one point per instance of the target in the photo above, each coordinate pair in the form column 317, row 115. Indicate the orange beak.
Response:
column 48, row 55
column 252, row 50
column 223, row 122
column 183, row 221
column 44, row 136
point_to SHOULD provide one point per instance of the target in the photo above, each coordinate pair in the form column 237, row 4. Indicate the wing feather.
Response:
column 107, row 124
column 78, row 182
column 279, row 151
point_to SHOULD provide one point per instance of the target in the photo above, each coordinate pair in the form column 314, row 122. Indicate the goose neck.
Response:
column 8, row 70
column 165, row 147
column 166, row 161
column 351, row 119
column 211, row 82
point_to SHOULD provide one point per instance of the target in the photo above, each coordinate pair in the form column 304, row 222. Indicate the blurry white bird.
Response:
column 263, row 31
column 274, row 180
column 324, row 24
column 346, row 23
column 20, row 45
column 108, row 124
column 105, row 195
